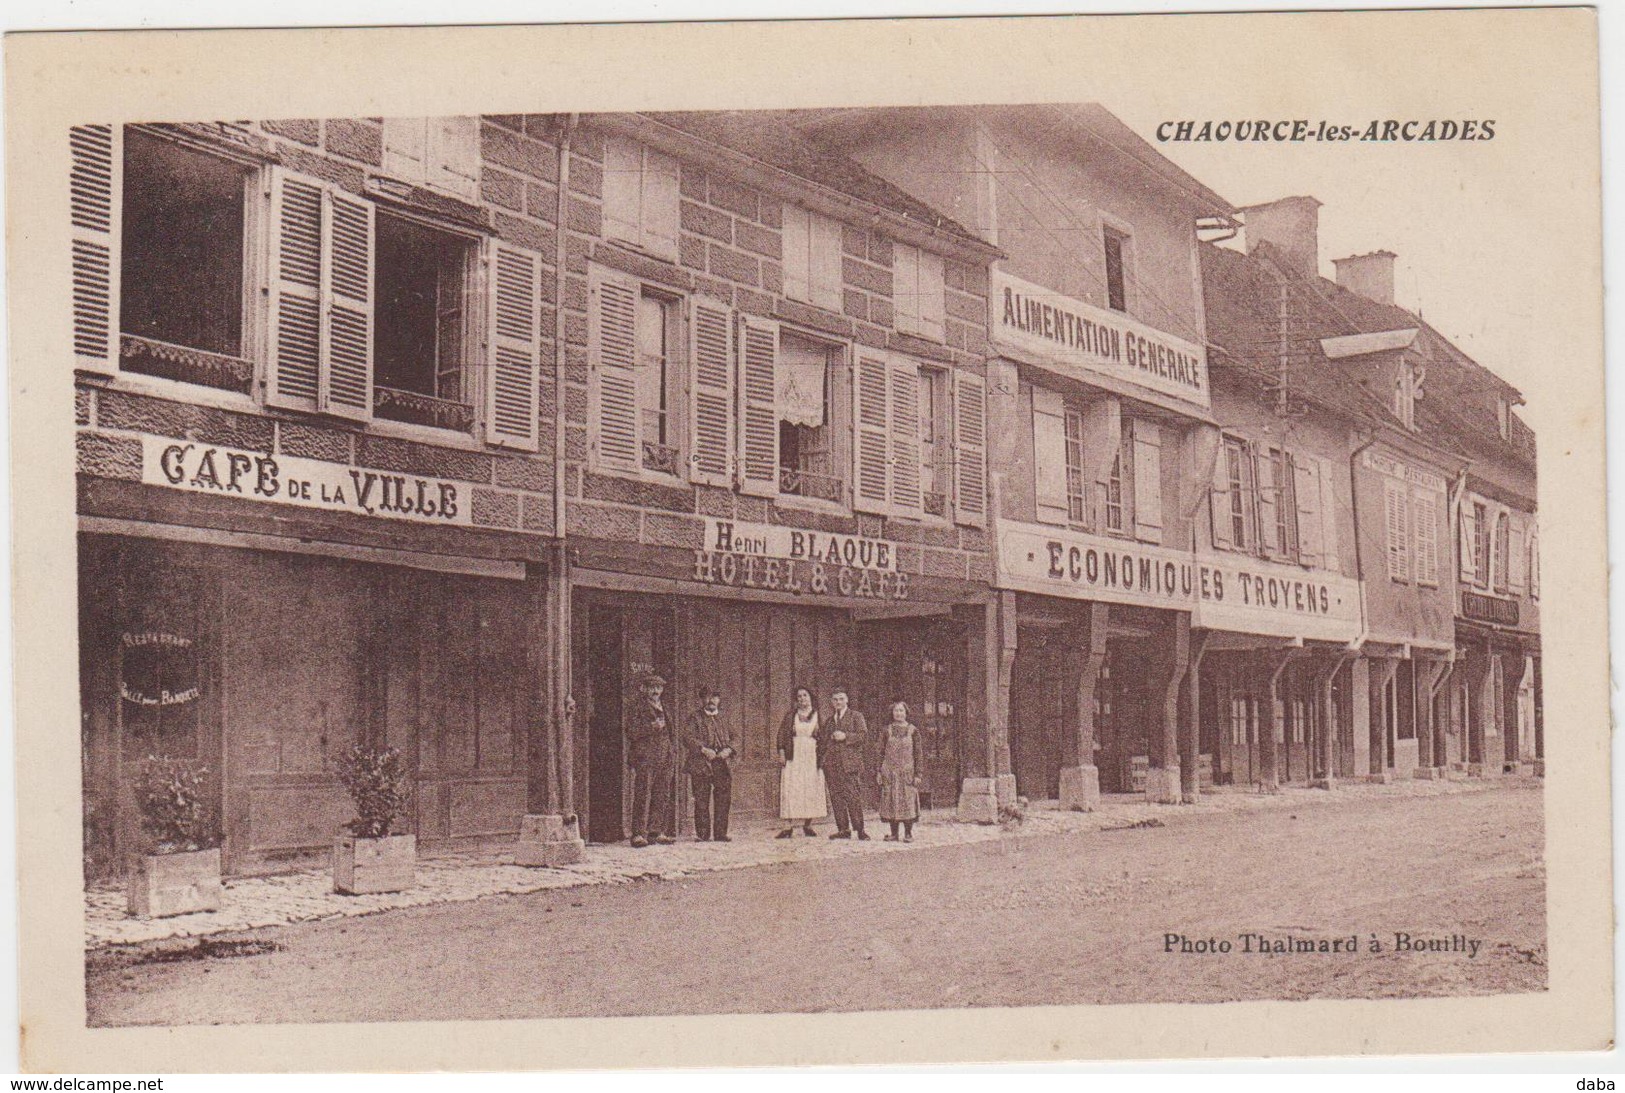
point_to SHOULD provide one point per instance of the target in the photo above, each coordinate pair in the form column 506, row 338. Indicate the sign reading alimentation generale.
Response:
column 1037, row 322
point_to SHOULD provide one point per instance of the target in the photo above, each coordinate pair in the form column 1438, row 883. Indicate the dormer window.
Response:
column 1407, row 389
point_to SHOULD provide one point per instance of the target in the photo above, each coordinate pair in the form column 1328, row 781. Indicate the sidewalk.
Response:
column 307, row 895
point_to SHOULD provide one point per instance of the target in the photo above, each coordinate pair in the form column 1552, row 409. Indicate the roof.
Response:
column 766, row 136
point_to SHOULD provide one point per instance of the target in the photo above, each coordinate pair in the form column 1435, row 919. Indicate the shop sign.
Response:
column 1492, row 609
column 798, row 561
column 1033, row 558
column 1251, row 596
column 308, row 483
column 1031, row 321
column 1383, row 463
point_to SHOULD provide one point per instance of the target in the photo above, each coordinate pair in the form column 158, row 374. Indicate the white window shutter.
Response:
column 1397, row 513
column 1269, row 495
column 406, row 148
column 623, row 190
column 95, row 200
column 1425, row 515
column 1147, row 481
column 1219, row 499
column 758, row 407
column 970, row 449
column 1306, row 491
column 662, row 199
column 905, row 438
column 1049, row 456
column 513, row 348
column 711, row 424
column 295, row 340
column 797, row 253
column 346, row 389
column 933, row 296
column 612, row 351
column 824, row 271
column 454, row 154
column 906, row 288
column 1516, row 558
column 1329, row 514
column 1466, row 546
column 872, row 480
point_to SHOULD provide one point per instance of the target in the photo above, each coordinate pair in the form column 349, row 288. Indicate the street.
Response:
column 1047, row 920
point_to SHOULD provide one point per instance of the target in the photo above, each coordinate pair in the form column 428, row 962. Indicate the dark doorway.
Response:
column 605, row 740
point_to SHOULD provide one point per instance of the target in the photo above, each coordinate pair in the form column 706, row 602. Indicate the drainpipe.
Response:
column 563, row 762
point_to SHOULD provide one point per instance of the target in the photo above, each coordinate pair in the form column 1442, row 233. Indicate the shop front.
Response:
column 757, row 611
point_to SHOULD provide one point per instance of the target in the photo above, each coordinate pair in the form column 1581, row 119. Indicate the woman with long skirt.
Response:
column 802, row 792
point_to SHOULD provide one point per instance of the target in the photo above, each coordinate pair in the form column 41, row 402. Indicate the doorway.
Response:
column 626, row 639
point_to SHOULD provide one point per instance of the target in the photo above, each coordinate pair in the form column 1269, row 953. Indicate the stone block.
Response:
column 1080, row 788
column 363, row 866
column 549, row 841
column 356, row 139
column 978, row 801
column 1162, row 786
column 161, row 885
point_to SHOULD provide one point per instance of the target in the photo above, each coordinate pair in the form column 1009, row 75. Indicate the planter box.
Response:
column 161, row 885
column 362, row 866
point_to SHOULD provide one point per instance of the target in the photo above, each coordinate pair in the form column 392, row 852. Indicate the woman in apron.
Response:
column 899, row 778
column 802, row 793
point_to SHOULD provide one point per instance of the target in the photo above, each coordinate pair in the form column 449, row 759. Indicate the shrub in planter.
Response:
column 370, row 858
column 181, row 871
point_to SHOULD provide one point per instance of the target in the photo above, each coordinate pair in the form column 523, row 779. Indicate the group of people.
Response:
column 822, row 756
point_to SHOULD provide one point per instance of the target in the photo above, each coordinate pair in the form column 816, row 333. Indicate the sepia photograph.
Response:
column 960, row 551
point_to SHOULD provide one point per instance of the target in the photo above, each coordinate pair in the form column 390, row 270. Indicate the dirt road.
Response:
column 1037, row 921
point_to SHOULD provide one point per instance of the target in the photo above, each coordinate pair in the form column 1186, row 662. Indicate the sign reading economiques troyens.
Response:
column 1035, row 322
column 780, row 558
column 1236, row 593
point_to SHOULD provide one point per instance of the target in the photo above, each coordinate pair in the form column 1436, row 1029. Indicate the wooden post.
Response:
column 1270, row 765
column 1162, row 780
column 1190, row 752
column 1328, row 719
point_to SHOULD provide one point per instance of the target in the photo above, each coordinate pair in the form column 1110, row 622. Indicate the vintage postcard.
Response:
column 827, row 542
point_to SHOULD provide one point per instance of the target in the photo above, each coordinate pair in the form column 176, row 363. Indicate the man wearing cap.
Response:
column 711, row 740
column 649, row 746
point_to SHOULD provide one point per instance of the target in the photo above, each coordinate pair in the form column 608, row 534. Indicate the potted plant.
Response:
column 370, row 858
column 181, row 873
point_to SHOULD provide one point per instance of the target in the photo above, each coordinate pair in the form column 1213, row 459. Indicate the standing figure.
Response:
column 649, row 747
column 899, row 777
column 712, row 743
column 840, row 753
column 801, row 782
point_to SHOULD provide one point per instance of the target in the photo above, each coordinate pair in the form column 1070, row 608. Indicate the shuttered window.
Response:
column 1534, row 564
column 612, row 350
column 918, row 291
column 95, row 182
column 641, row 197
column 1503, row 533
column 712, row 425
column 1467, row 540
column 812, row 258
column 970, row 449
column 1306, row 495
column 441, row 153
column 1077, row 491
column 872, row 472
column 758, row 408
column 1396, row 509
column 1053, row 468
column 1147, row 476
column 514, row 348
column 1517, row 557
column 1231, row 497
column 1481, row 544
column 1425, row 515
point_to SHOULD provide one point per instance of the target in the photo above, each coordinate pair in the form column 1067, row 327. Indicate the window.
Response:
column 1502, row 551
column 1239, row 722
column 440, row 153
column 638, row 376
column 918, row 291
column 1077, row 493
column 181, row 267
column 1425, row 508
column 812, row 258
column 1407, row 389
column 1237, row 497
column 1481, row 545
column 936, row 467
column 1277, row 504
column 1113, row 508
column 1116, row 244
column 1397, row 511
column 1298, row 717
column 808, row 428
column 658, row 380
column 420, row 324
column 641, row 197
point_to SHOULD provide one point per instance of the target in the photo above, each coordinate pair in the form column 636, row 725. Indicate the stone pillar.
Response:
column 1325, row 697
column 1162, row 780
column 1477, row 669
column 990, row 648
column 1360, row 715
column 1430, row 742
column 1269, row 747
column 1190, row 740
column 550, row 832
column 1382, row 674
column 1080, row 784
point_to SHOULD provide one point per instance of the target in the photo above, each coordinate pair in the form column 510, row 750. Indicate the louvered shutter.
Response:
column 1306, row 494
column 513, row 348
column 406, row 148
column 623, row 190
column 758, row 407
column 711, row 424
column 1516, row 558
column 95, row 197
column 825, row 269
column 872, row 492
column 1147, row 481
column 797, row 253
column 905, row 438
column 1397, row 512
column 970, row 448
column 1330, row 512
column 661, row 201
column 346, row 390
column 1466, row 541
column 933, row 296
column 613, row 356
column 1219, row 498
column 294, row 373
column 1049, row 456
column 1425, row 515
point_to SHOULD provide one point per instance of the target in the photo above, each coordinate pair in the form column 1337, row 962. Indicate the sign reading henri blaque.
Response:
column 799, row 561
column 1072, row 333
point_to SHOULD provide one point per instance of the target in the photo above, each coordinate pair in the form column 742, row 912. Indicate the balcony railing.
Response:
column 935, row 504
column 800, row 483
column 179, row 362
column 415, row 409
column 658, row 456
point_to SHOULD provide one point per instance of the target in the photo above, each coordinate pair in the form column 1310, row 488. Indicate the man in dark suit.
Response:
column 841, row 737
column 711, row 740
column 649, row 740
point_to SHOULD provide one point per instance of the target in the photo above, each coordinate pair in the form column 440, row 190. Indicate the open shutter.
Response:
column 905, row 438
column 1219, row 499
column 661, row 199
column 1329, row 511
column 758, row 407
column 293, row 377
column 932, row 296
column 1147, row 481
column 1306, row 493
column 797, row 253
column 1516, row 559
column 825, row 263
column 906, row 288
column 346, row 389
column 1467, row 539
column 1534, row 564
column 454, row 152
column 1425, row 515
column 623, row 189
column 970, row 448
column 1397, row 513
column 1268, row 494
column 406, row 148
column 513, row 348
column 612, row 349
column 95, row 197
column 871, row 413
column 1049, row 456
column 711, row 425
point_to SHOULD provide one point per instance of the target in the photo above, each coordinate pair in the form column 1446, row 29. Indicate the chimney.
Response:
column 1291, row 224
column 1369, row 275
